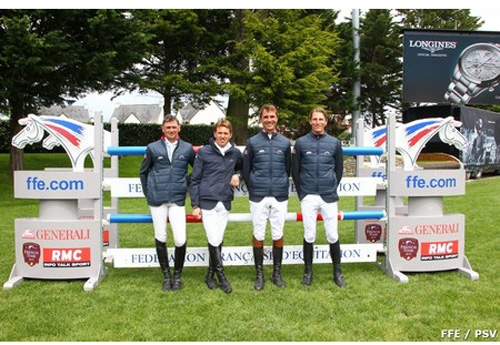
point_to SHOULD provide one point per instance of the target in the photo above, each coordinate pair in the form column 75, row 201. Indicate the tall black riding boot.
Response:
column 338, row 278
column 308, row 250
column 209, row 278
column 215, row 255
column 161, row 252
column 258, row 256
column 180, row 256
column 277, row 259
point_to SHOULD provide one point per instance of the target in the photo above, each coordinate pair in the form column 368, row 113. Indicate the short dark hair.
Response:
column 268, row 107
column 170, row 118
column 319, row 110
column 224, row 123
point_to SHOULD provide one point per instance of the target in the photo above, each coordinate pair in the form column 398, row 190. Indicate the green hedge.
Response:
column 143, row 134
column 131, row 134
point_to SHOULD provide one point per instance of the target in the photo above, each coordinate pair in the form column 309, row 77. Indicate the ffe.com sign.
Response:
column 56, row 185
column 450, row 66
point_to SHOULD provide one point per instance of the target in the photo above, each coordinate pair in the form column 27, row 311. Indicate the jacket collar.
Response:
column 212, row 142
column 318, row 136
column 266, row 135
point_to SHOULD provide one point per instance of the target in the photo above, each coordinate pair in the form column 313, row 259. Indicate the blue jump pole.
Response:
column 358, row 215
column 246, row 217
column 363, row 150
column 348, row 150
column 126, row 150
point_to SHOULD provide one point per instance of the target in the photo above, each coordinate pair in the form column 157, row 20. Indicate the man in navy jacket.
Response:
column 164, row 181
column 216, row 171
column 317, row 168
column 266, row 171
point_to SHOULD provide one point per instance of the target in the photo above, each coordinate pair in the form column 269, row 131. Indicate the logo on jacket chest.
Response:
column 324, row 153
column 278, row 151
column 180, row 157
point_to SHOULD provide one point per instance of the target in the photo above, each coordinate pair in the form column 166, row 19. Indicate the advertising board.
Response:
column 450, row 66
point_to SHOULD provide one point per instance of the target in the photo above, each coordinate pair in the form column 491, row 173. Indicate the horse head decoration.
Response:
column 75, row 137
column 412, row 137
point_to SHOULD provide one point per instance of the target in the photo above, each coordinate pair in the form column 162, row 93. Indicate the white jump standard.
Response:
column 64, row 244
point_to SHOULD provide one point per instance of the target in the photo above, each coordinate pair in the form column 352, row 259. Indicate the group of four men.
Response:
column 315, row 164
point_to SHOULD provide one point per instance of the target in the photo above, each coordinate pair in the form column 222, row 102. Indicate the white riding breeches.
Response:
column 310, row 206
column 268, row 209
column 215, row 222
column 177, row 217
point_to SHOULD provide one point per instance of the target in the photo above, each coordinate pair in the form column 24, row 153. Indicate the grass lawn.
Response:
column 128, row 305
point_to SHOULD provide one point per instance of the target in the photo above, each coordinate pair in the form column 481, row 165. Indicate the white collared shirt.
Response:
column 170, row 148
column 224, row 149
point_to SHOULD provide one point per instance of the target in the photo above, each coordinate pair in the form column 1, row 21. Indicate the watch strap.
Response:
column 461, row 90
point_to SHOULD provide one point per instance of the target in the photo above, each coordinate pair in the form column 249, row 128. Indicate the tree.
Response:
column 184, row 51
column 454, row 19
column 287, row 65
column 252, row 56
column 50, row 56
column 381, row 67
column 341, row 100
column 236, row 71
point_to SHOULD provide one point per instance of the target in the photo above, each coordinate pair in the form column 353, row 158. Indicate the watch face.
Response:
column 480, row 62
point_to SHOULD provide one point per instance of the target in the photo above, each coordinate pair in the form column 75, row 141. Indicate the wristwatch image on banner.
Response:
column 477, row 70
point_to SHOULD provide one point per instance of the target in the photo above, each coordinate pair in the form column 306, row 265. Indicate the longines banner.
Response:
column 442, row 66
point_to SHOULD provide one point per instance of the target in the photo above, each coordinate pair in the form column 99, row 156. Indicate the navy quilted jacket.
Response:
column 211, row 178
column 164, row 181
column 317, row 166
column 266, row 166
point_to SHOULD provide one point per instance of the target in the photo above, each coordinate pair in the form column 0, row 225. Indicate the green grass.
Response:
column 128, row 305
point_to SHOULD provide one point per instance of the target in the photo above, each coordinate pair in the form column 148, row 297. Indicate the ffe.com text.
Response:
column 33, row 183
column 415, row 181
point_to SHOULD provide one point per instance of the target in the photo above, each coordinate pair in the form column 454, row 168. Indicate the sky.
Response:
column 102, row 102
